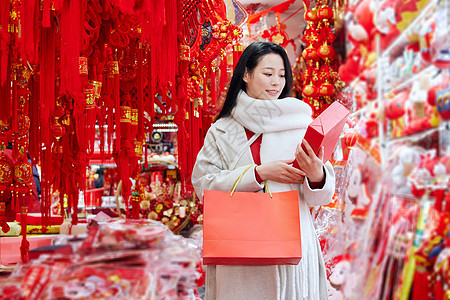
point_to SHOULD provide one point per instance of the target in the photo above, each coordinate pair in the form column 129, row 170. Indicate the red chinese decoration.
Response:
column 319, row 79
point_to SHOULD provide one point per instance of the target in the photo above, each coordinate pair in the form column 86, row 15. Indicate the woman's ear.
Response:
column 246, row 75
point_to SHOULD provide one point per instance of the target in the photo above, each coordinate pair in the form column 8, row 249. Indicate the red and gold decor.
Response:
column 320, row 80
column 73, row 73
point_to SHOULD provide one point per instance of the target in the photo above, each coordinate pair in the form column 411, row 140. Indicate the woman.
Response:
column 259, row 125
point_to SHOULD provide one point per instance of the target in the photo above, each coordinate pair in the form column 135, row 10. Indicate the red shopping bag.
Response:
column 251, row 228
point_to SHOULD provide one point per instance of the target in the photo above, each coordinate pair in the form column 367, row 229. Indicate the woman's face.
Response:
column 267, row 81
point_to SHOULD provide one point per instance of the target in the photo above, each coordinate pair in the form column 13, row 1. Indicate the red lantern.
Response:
column 58, row 130
column 350, row 138
column 23, row 173
column 326, row 90
column 309, row 91
column 325, row 13
column 5, row 173
column 311, row 15
column 310, row 53
column 326, row 52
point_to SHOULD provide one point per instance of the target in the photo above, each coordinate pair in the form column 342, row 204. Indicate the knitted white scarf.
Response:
column 282, row 122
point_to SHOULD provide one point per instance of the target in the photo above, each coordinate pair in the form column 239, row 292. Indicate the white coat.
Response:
column 224, row 156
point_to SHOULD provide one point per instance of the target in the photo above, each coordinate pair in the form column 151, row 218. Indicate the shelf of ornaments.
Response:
column 393, row 59
column 415, row 104
column 393, row 42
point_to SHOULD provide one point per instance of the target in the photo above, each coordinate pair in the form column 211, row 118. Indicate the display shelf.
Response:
column 413, row 137
column 397, row 46
column 165, row 164
column 408, row 80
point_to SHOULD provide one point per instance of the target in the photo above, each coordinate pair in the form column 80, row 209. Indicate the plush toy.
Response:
column 426, row 35
column 337, row 275
column 408, row 158
column 422, row 174
column 385, row 22
column 362, row 28
column 360, row 33
column 394, row 110
column 350, row 69
column 372, row 126
column 358, row 193
column 443, row 103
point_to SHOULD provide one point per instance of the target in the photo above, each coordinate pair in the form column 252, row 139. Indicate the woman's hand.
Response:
column 311, row 164
column 280, row 171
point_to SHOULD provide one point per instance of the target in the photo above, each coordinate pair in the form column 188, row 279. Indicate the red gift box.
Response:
column 326, row 129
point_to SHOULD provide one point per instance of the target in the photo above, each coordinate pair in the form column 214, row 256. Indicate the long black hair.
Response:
column 250, row 58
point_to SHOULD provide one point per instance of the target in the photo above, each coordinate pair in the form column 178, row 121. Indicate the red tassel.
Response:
column 4, row 40
column 46, row 14
column 237, row 51
column 5, row 99
column 205, row 91
column 70, row 48
column 135, row 206
column 25, row 245
column 116, row 98
column 213, row 84
column 15, row 107
column 75, row 209
column 152, row 78
column 140, row 98
column 145, row 152
column 3, row 224
column 223, row 73
column 47, row 105
column 29, row 8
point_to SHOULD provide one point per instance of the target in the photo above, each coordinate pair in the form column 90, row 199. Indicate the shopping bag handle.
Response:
column 233, row 188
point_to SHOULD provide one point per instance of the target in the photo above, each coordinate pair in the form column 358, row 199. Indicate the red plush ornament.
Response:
column 395, row 108
column 326, row 90
column 326, row 52
column 309, row 91
column 310, row 54
column 325, row 13
column 311, row 15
